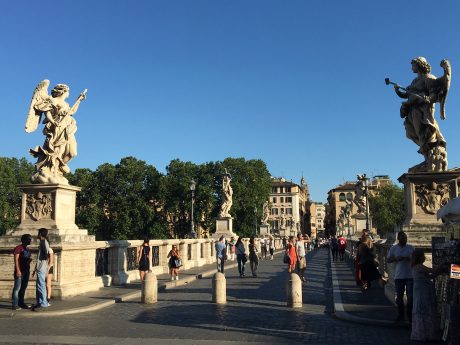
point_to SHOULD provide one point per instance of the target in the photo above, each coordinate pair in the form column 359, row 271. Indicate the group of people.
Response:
column 295, row 255
column 338, row 246
column 411, row 278
column 237, row 249
column 43, row 271
column 144, row 258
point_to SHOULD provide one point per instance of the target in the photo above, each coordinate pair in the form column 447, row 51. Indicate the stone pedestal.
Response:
column 264, row 230
column 360, row 224
column 425, row 193
column 224, row 227
column 52, row 206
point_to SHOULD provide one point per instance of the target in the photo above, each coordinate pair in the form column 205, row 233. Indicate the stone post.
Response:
column 294, row 291
column 219, row 288
column 149, row 289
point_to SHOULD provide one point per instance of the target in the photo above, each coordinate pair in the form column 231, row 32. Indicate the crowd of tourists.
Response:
column 411, row 279
column 43, row 271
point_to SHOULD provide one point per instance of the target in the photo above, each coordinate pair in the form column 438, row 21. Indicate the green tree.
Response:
column 119, row 202
column 387, row 208
column 13, row 171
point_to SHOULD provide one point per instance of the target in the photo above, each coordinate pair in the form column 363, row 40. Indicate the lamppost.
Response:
column 255, row 219
column 192, row 224
column 365, row 180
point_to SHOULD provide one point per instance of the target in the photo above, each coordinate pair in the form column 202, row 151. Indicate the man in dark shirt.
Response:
column 22, row 259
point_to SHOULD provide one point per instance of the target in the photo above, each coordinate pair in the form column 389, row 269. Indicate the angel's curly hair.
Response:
column 422, row 65
column 59, row 90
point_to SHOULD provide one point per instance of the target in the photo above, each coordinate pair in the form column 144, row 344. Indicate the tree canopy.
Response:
column 387, row 208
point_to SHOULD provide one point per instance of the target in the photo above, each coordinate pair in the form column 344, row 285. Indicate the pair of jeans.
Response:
column 19, row 289
column 239, row 258
column 41, row 290
column 402, row 285
column 220, row 264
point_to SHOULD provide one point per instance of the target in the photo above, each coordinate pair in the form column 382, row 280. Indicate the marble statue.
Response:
column 419, row 109
column 59, row 129
column 266, row 213
column 282, row 220
column 227, row 196
column 360, row 194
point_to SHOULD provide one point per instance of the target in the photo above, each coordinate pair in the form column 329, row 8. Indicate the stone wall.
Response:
column 84, row 266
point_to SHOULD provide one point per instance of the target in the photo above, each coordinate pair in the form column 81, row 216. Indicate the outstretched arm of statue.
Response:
column 400, row 93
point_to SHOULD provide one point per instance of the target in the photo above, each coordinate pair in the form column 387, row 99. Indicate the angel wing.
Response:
column 35, row 111
column 441, row 87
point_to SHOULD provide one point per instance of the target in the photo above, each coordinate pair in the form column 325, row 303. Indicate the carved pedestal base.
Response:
column 224, row 227
column 264, row 230
column 50, row 206
column 425, row 193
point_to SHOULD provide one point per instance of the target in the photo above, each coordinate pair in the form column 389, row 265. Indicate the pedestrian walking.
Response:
column 45, row 260
column 301, row 260
column 285, row 243
column 334, row 247
column 144, row 258
column 424, row 325
column 22, row 260
column 241, row 257
column 175, row 262
column 400, row 254
column 221, row 254
column 367, row 262
column 263, row 248
column 291, row 253
column 271, row 246
column 342, row 246
column 253, row 258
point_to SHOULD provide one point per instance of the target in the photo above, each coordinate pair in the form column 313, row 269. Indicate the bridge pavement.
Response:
column 255, row 313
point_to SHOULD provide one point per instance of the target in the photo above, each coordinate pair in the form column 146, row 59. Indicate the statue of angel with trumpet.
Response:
column 418, row 112
column 59, row 129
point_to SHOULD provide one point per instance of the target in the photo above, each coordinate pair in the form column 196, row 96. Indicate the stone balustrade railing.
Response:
column 116, row 261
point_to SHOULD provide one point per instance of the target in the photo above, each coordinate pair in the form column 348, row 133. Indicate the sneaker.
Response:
column 25, row 306
column 172, row 278
column 16, row 307
column 177, row 277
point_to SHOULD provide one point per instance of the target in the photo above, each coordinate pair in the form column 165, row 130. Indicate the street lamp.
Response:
column 192, row 225
column 255, row 218
column 366, row 193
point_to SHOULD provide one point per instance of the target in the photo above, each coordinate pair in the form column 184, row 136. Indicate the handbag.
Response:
column 286, row 258
column 178, row 263
column 244, row 259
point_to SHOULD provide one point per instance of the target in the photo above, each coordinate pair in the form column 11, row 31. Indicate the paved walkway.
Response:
column 255, row 313
column 353, row 304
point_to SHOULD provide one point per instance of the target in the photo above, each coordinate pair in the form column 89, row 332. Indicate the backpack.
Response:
column 342, row 241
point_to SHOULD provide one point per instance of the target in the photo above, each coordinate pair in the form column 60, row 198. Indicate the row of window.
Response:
column 281, row 189
column 343, row 197
column 281, row 210
column 282, row 199
column 289, row 222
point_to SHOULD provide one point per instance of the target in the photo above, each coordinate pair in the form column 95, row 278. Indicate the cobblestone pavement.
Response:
column 255, row 313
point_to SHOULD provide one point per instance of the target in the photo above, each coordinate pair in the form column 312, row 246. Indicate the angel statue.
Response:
column 227, row 195
column 418, row 112
column 360, row 194
column 266, row 211
column 59, row 129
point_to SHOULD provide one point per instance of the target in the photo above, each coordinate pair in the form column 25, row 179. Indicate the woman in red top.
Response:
column 292, row 254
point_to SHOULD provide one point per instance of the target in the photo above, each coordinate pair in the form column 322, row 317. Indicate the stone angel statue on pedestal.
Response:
column 59, row 129
column 418, row 112
column 266, row 213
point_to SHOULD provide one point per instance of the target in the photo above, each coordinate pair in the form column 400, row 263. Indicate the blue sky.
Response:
column 299, row 84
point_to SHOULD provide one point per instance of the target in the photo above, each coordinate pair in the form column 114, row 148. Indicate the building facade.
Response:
column 317, row 218
column 289, row 207
column 339, row 197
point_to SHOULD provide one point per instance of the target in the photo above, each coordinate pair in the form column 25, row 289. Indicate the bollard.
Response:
column 294, row 291
column 149, row 288
column 219, row 288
